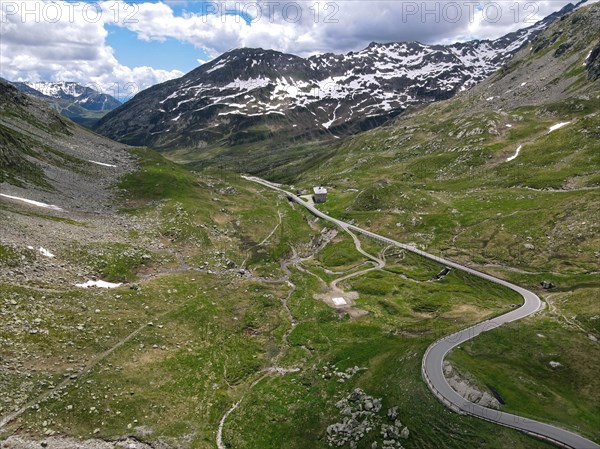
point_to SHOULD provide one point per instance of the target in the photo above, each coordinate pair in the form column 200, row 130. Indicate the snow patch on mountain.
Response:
column 102, row 163
column 98, row 284
column 32, row 202
column 59, row 89
column 87, row 97
column 514, row 156
column 388, row 74
column 557, row 126
column 44, row 252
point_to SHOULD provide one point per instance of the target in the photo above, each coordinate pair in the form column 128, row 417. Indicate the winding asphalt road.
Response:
column 432, row 366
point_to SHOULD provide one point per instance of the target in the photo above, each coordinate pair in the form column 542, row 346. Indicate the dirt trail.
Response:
column 296, row 261
column 266, row 239
column 334, row 291
column 432, row 362
column 220, row 444
column 266, row 371
column 379, row 263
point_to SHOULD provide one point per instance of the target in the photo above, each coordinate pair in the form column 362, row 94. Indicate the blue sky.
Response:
column 169, row 54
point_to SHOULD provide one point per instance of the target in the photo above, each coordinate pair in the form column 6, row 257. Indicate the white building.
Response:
column 319, row 194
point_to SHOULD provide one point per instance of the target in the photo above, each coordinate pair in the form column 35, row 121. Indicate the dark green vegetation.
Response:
column 78, row 114
column 389, row 343
column 393, row 374
column 173, row 376
column 11, row 257
column 339, row 254
column 15, row 168
column 439, row 177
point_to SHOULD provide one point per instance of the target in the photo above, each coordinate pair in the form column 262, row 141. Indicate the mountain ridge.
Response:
column 82, row 104
column 85, row 96
column 248, row 95
column 47, row 158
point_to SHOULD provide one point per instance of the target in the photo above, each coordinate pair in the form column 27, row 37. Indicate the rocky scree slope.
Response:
column 58, row 196
column 561, row 63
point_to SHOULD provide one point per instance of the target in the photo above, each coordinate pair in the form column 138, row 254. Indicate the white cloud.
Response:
column 75, row 47
column 341, row 26
column 60, row 42
column 495, row 19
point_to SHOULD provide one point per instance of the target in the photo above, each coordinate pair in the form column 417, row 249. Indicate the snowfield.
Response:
column 360, row 81
column 99, row 284
column 102, row 163
column 34, row 203
column 514, row 156
column 44, row 252
column 557, row 126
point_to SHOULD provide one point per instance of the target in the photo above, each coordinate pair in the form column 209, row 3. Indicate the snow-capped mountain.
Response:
column 86, row 97
column 62, row 90
column 252, row 94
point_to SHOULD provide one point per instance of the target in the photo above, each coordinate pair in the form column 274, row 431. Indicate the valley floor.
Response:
column 214, row 315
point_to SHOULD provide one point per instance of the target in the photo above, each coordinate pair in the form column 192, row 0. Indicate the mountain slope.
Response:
column 544, row 104
column 220, row 277
column 504, row 178
column 81, row 104
column 221, row 323
column 47, row 158
column 249, row 95
column 76, row 93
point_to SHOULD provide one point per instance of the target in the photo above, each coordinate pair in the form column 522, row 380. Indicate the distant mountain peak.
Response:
column 86, row 96
column 81, row 104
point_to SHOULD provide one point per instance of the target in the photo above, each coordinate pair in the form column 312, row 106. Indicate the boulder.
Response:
column 547, row 285
column 405, row 433
column 392, row 413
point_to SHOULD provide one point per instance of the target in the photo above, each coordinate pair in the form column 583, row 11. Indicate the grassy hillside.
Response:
column 226, row 283
column 209, row 310
column 447, row 177
column 489, row 179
